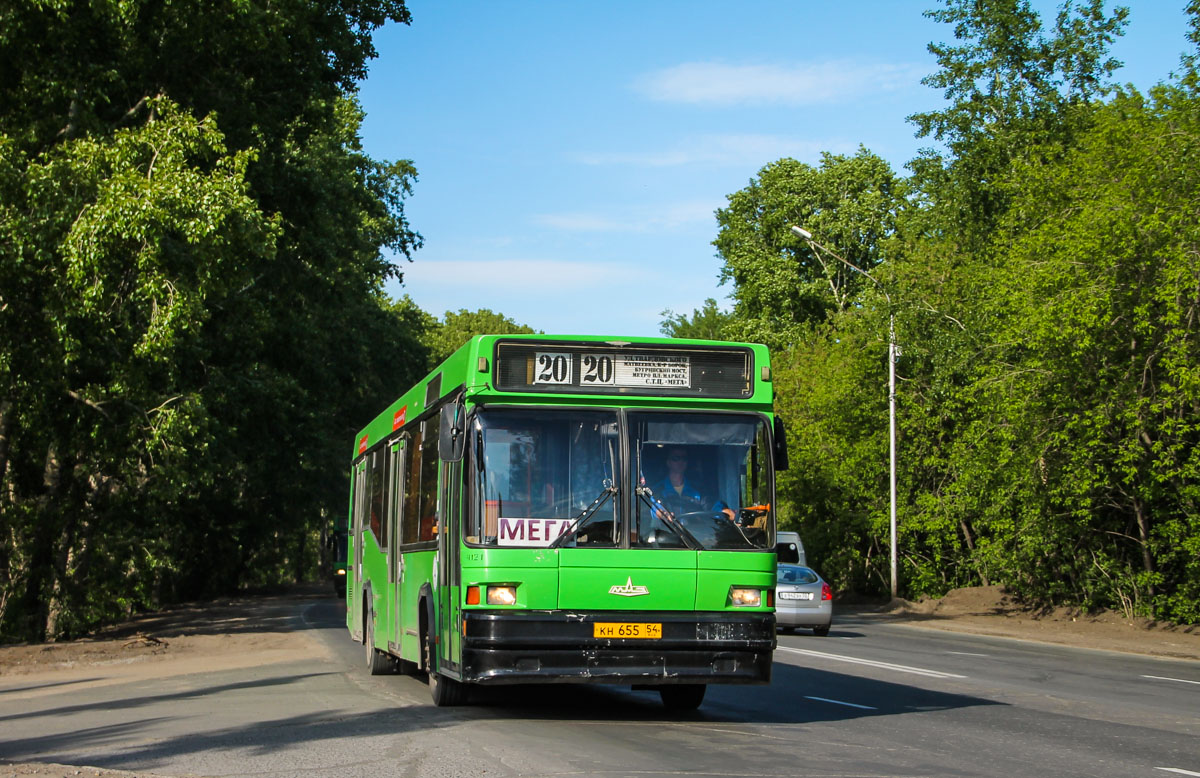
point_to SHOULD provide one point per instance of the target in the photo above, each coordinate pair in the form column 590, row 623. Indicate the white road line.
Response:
column 966, row 653
column 839, row 702
column 871, row 663
column 1176, row 770
column 1177, row 680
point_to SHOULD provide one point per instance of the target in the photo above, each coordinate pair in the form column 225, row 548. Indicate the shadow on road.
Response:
column 152, row 699
column 91, row 745
column 36, row 686
column 783, row 701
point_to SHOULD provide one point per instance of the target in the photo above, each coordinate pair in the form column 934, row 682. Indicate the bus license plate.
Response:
column 618, row 630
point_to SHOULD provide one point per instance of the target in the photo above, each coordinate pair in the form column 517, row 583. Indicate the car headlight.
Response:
column 745, row 598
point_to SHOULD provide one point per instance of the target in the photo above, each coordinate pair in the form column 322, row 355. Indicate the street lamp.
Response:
column 892, row 352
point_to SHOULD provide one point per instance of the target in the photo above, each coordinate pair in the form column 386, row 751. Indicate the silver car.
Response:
column 802, row 599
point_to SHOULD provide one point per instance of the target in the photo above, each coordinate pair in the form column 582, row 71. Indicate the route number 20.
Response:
column 552, row 368
column 555, row 368
column 598, row 369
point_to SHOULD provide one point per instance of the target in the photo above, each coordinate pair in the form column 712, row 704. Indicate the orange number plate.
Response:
column 626, row 630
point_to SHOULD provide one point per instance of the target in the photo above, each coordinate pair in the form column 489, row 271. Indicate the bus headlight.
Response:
column 745, row 598
column 502, row 595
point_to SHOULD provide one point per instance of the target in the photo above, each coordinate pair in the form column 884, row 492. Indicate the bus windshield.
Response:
column 541, row 474
column 700, row 480
column 550, row 477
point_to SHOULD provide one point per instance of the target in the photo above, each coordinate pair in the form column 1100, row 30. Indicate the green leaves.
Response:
column 444, row 337
column 707, row 323
column 780, row 285
column 1044, row 278
column 191, row 322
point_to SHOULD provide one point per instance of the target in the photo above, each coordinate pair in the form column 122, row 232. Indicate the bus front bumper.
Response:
column 560, row 647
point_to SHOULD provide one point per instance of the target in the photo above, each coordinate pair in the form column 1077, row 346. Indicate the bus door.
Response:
column 395, row 508
column 448, row 572
column 354, row 589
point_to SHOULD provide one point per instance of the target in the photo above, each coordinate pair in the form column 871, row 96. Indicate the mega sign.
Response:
column 530, row 532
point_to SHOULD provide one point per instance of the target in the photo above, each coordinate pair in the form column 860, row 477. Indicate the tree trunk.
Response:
column 1143, row 524
column 63, row 551
column 966, row 530
column 6, row 414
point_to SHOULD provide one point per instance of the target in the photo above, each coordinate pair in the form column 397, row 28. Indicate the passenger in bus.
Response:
column 675, row 491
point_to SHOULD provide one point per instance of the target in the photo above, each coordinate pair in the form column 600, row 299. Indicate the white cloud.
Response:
column 521, row 275
column 714, row 83
column 639, row 220
column 742, row 150
column 619, row 297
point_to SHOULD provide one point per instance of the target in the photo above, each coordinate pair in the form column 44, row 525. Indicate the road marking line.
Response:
column 839, row 702
column 1178, row 680
column 1176, row 770
column 966, row 653
column 871, row 663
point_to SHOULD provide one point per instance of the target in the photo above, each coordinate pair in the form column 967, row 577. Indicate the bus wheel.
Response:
column 446, row 692
column 378, row 663
column 686, row 696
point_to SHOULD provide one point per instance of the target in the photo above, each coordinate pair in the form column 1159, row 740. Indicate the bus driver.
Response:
column 675, row 489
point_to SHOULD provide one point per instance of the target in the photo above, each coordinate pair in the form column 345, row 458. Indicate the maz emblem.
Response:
column 627, row 589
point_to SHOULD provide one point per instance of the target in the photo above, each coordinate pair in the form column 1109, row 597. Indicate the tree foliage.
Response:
column 707, row 323
column 1043, row 276
column 191, row 322
column 780, row 285
column 1010, row 89
column 445, row 336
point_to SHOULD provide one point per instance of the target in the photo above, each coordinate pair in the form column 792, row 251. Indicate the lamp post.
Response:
column 892, row 352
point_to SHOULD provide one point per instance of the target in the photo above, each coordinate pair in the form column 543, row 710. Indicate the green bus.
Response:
column 547, row 509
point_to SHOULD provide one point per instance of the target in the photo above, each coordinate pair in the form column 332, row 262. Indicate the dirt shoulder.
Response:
column 200, row 637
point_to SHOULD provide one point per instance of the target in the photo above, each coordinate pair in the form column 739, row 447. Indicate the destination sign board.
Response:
column 611, row 368
column 556, row 368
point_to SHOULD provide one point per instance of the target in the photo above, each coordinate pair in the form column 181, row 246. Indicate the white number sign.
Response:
column 552, row 368
column 598, row 370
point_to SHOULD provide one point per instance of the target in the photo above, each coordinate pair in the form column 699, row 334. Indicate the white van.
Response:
column 789, row 548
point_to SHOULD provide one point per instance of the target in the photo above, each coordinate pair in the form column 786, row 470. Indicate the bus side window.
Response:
column 412, row 488
column 429, row 482
column 376, row 475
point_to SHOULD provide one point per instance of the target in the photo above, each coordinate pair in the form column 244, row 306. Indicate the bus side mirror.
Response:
column 451, row 434
column 780, row 442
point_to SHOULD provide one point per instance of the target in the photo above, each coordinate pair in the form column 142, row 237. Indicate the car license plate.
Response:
column 602, row 629
column 795, row 595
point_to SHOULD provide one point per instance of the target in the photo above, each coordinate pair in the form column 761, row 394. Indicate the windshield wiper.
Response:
column 668, row 518
column 579, row 521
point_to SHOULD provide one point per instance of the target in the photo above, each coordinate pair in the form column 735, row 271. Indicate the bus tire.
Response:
column 378, row 662
column 446, row 692
column 687, row 696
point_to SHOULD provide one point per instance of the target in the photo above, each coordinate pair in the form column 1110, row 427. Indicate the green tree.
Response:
column 191, row 259
column 707, row 323
column 1016, row 95
column 1099, row 301
column 780, row 286
column 455, row 329
column 1010, row 89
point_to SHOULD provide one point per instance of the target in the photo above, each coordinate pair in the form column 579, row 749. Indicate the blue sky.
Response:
column 571, row 154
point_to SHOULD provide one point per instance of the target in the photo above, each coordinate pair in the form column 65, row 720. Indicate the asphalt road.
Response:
column 872, row 699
